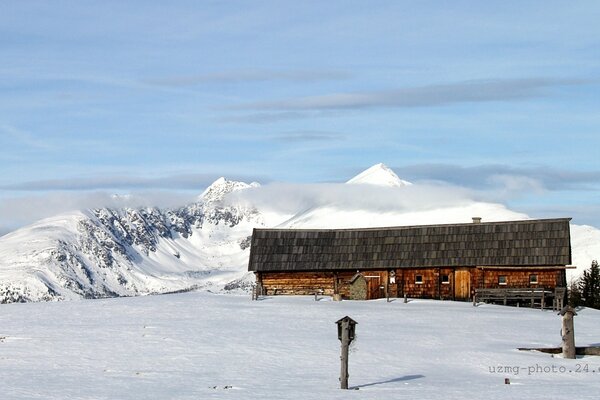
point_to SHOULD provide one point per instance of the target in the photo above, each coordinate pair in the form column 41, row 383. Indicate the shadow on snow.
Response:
column 399, row 379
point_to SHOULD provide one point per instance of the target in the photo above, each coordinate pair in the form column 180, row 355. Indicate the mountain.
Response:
column 380, row 182
column 205, row 245
column 128, row 252
column 378, row 174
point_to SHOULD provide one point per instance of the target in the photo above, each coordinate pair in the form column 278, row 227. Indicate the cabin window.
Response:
column 502, row 280
column 445, row 279
column 533, row 279
column 419, row 279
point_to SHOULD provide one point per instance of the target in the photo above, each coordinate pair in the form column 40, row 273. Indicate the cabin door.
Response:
column 373, row 287
column 462, row 284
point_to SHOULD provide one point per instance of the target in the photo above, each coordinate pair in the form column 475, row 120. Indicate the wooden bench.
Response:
column 518, row 295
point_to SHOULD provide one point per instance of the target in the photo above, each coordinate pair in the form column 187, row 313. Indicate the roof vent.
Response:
column 476, row 220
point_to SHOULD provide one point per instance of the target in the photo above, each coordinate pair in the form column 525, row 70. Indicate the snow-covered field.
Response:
column 202, row 346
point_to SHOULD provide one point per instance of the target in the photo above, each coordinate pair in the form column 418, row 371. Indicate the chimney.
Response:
column 476, row 220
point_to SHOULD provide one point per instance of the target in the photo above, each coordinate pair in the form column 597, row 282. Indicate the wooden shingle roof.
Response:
column 544, row 242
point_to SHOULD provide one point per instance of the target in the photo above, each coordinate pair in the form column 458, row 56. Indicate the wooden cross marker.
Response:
column 346, row 333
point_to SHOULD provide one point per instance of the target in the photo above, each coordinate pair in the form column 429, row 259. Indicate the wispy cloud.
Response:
column 263, row 118
column 588, row 214
column 494, row 175
column 171, row 182
column 22, row 210
column 23, row 137
column 244, row 76
column 424, row 96
column 308, row 136
column 291, row 198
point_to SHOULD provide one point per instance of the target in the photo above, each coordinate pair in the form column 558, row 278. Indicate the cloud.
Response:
column 23, row 137
column 501, row 175
column 172, row 182
column 423, row 196
column 22, row 210
column 292, row 198
column 244, row 76
column 588, row 214
column 263, row 118
column 308, row 136
column 424, row 96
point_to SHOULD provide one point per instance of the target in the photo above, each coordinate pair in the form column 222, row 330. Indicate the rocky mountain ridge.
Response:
column 126, row 252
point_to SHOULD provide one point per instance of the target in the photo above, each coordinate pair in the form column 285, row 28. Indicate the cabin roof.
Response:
column 529, row 243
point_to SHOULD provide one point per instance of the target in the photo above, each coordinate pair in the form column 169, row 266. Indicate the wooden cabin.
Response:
column 429, row 261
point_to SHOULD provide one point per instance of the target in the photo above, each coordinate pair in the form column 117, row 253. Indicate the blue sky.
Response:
column 102, row 97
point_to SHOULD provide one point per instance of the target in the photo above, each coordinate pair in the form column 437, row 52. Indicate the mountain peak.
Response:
column 221, row 187
column 379, row 174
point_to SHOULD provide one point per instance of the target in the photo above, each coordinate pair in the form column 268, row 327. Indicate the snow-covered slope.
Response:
column 332, row 217
column 128, row 252
column 585, row 245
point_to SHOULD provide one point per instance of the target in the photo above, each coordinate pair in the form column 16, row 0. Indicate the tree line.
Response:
column 585, row 291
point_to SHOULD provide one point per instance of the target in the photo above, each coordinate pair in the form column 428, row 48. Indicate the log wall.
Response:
column 488, row 278
column 431, row 286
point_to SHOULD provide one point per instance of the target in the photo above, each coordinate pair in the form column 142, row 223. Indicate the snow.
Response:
column 585, row 244
column 217, row 190
column 379, row 174
column 205, row 346
column 335, row 218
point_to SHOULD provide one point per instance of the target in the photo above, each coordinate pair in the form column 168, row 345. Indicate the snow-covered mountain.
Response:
column 380, row 181
column 379, row 174
column 128, row 252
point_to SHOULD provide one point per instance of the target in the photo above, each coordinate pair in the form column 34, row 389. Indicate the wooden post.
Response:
column 475, row 298
column 532, row 301
column 405, row 298
column 439, row 283
column 386, row 286
column 344, row 357
column 568, row 332
column 346, row 332
column 259, row 285
column 543, row 300
column 336, row 289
